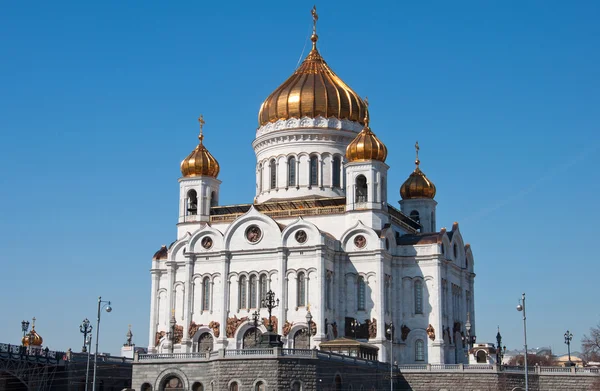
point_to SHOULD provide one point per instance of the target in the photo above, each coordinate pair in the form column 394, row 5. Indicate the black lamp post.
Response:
column 568, row 339
column 85, row 328
column 24, row 328
column 269, row 303
column 390, row 331
column 171, row 333
column 499, row 349
column 308, row 325
column 354, row 326
column 255, row 319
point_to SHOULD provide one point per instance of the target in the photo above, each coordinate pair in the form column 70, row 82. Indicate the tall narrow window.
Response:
column 314, row 171
column 253, row 292
column 388, row 294
column 213, row 199
column 361, row 189
column 262, row 288
column 419, row 350
column 328, row 291
column 415, row 216
column 192, row 202
column 361, row 293
column 301, row 291
column 336, row 172
column 243, row 293
column 233, row 387
column 292, row 171
column 273, row 174
column 383, row 189
column 260, row 178
column 418, row 297
column 432, row 222
column 205, row 294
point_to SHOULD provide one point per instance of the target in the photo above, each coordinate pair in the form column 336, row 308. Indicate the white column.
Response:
column 281, row 317
column 188, row 300
column 155, row 274
column 226, row 291
column 436, row 352
column 380, row 307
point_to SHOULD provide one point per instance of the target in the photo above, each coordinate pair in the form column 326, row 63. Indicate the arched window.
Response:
column 301, row 291
column 234, row 387
column 361, row 189
column 213, row 199
column 260, row 386
column 432, row 222
column 314, row 171
column 296, row 386
column 197, row 387
column 292, row 171
column 415, row 216
column 243, row 293
column 251, row 338
column 419, row 350
column 336, row 172
column 205, row 294
column 273, row 174
column 455, row 251
column 361, row 293
column 262, row 289
column 253, row 292
column 260, row 177
column 418, row 297
column 301, row 339
column 205, row 343
column 466, row 262
column 383, row 189
column 338, row 383
column 481, row 357
column 146, row 387
column 443, row 249
column 192, row 202
column 173, row 383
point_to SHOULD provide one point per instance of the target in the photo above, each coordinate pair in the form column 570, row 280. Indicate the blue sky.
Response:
column 99, row 105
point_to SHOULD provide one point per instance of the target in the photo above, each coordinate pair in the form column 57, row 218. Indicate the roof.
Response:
column 162, row 253
column 421, row 238
column 346, row 342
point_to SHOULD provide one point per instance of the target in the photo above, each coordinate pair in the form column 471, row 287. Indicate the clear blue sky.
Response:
column 99, row 104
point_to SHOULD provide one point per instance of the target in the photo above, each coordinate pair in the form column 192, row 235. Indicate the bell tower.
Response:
column 417, row 194
column 198, row 186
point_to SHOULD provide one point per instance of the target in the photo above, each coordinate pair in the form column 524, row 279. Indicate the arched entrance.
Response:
column 251, row 338
column 173, row 383
column 205, row 343
column 301, row 339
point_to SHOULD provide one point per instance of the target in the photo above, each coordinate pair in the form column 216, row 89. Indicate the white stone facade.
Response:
column 342, row 259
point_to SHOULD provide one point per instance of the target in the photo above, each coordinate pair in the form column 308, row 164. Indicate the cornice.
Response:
column 307, row 122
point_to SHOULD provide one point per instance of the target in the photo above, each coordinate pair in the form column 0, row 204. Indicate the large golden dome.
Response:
column 200, row 161
column 366, row 146
column 313, row 90
column 417, row 185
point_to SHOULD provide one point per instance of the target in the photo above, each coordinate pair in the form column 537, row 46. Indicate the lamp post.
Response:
column 521, row 307
column 390, row 331
column 102, row 304
column 24, row 328
column 568, row 339
column 85, row 328
column 172, row 323
column 354, row 326
column 499, row 350
column 88, row 342
column 269, row 303
column 255, row 319
column 308, row 325
column 468, row 338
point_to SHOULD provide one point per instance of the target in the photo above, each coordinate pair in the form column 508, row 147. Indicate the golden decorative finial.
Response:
column 366, row 100
column 417, row 161
column 202, row 122
column 314, row 36
column 33, row 323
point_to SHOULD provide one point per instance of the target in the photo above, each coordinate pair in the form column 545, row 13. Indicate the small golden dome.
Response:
column 313, row 90
column 366, row 146
column 417, row 185
column 200, row 161
column 32, row 338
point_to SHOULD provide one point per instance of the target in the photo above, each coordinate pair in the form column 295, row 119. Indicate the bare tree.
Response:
column 591, row 344
column 532, row 359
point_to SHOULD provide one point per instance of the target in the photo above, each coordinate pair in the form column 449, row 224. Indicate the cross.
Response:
column 315, row 18
column 366, row 100
column 202, row 122
column 417, row 149
column 33, row 324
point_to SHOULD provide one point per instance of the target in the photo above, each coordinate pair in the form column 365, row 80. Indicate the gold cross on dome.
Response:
column 417, row 161
column 33, row 323
column 315, row 18
column 201, row 122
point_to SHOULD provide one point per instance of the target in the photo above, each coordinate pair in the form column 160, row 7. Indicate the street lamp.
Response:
column 308, row 324
column 521, row 307
column 85, row 328
column 106, row 306
column 568, row 339
column 255, row 319
column 354, row 326
column 499, row 350
column 269, row 303
column 390, row 331
column 24, row 328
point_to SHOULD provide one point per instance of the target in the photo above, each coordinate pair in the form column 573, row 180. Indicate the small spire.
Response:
column 33, row 323
column 314, row 36
column 366, row 111
column 202, row 122
column 417, row 161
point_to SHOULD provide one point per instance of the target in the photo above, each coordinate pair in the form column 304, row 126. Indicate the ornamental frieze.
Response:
column 287, row 327
column 158, row 337
column 233, row 324
column 215, row 327
column 430, row 332
column 178, row 335
column 265, row 322
column 193, row 328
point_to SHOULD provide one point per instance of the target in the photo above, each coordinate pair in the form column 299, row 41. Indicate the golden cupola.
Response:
column 417, row 185
column 313, row 90
column 200, row 161
column 366, row 146
column 32, row 338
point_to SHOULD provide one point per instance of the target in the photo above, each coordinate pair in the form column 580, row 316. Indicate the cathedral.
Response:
column 342, row 262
